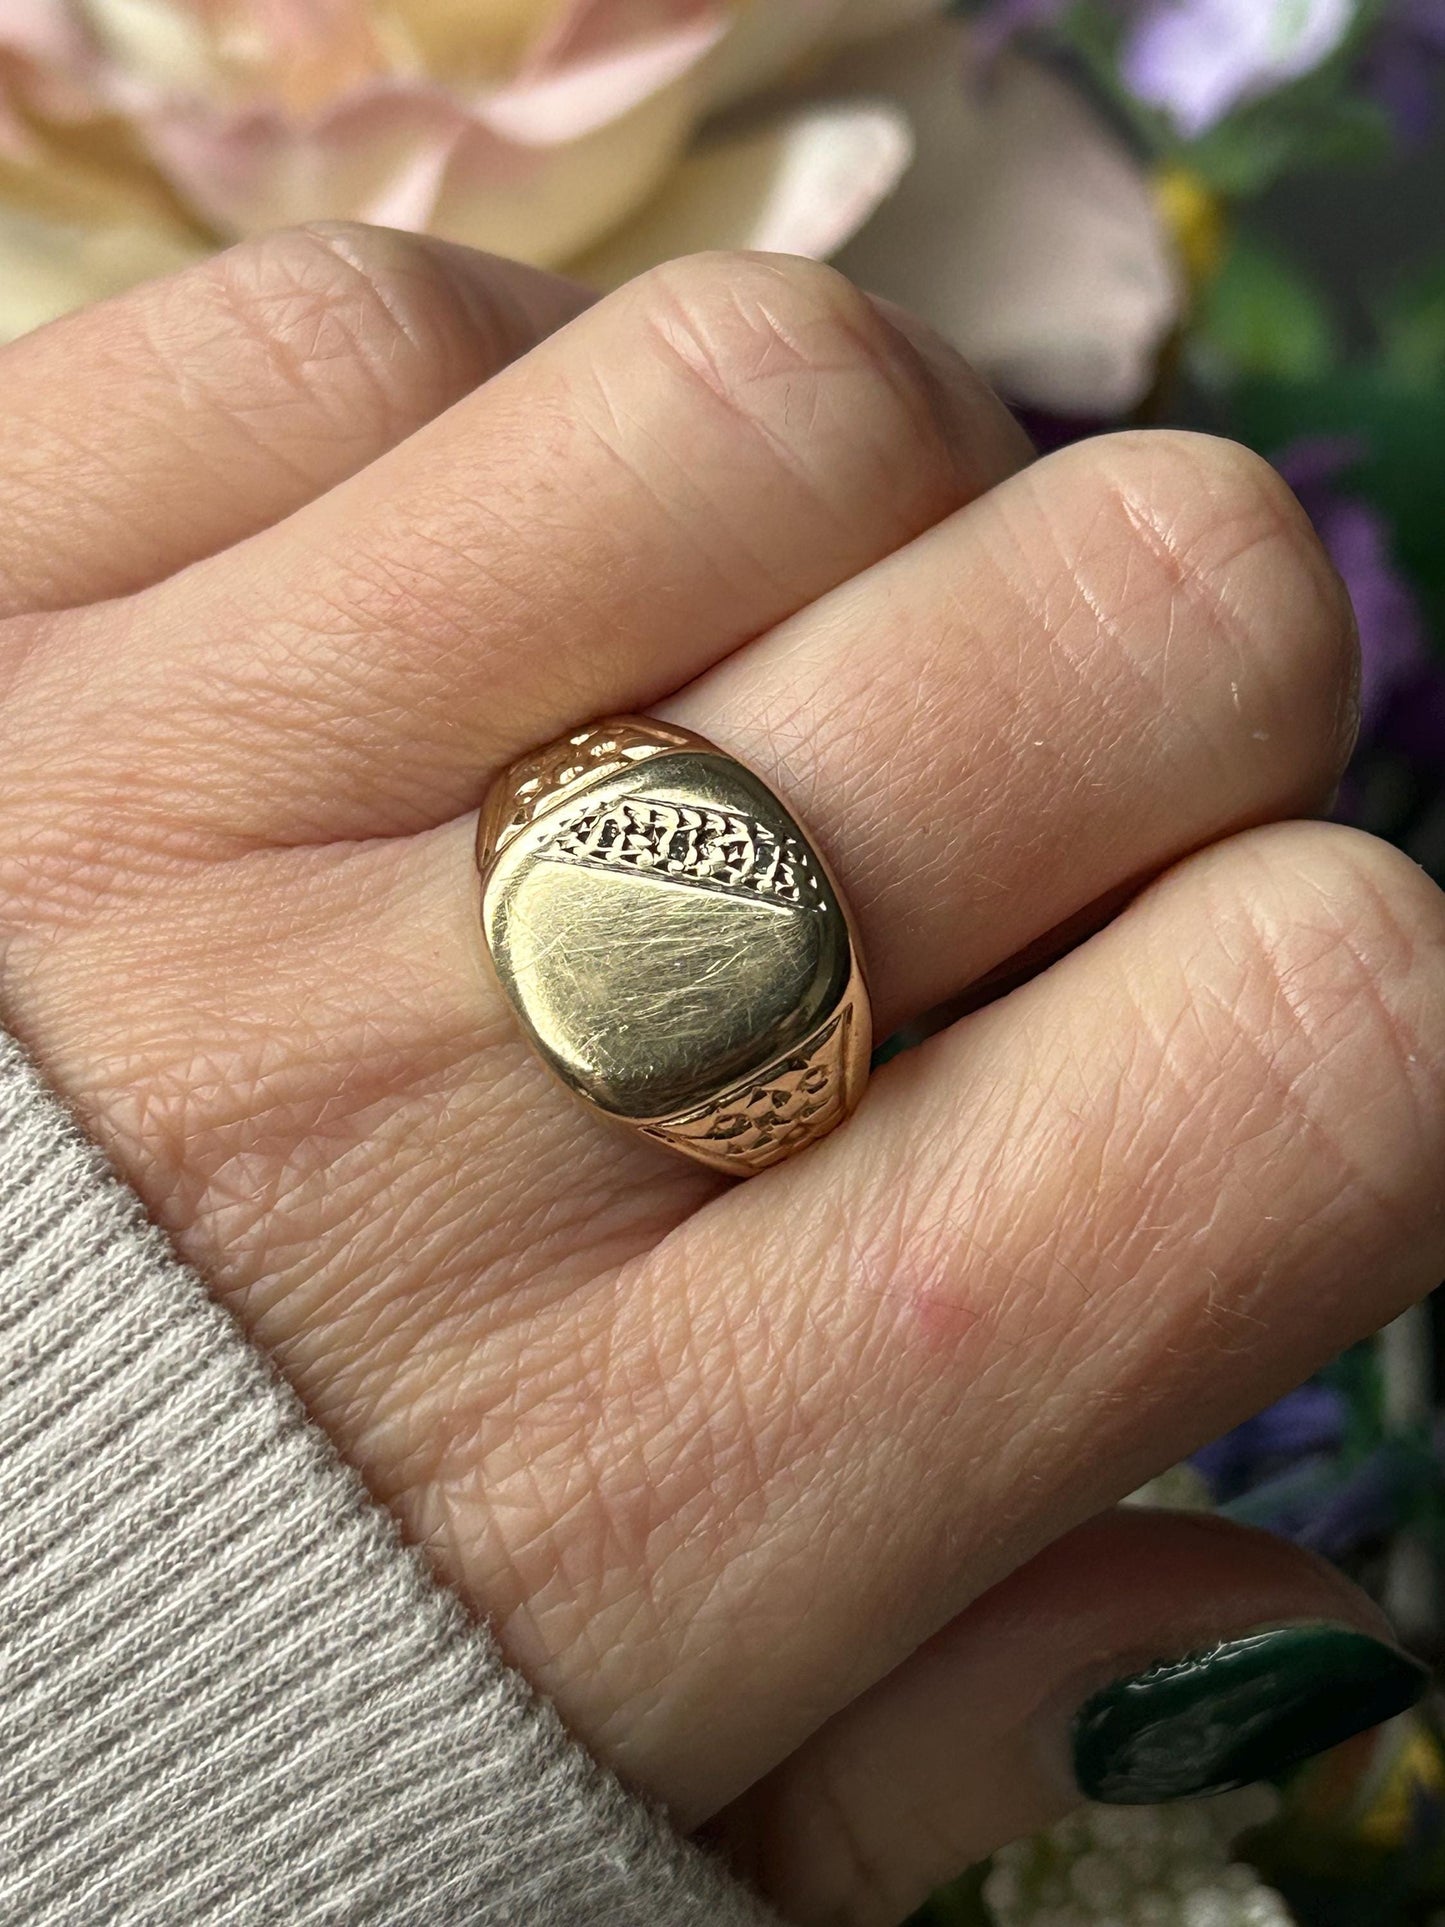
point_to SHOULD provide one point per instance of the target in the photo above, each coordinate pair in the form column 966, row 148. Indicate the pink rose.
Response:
column 590, row 135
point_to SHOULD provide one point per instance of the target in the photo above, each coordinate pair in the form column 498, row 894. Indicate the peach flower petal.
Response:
column 537, row 168
column 800, row 183
column 413, row 156
column 585, row 82
column 385, row 150
column 47, row 67
column 45, row 31
column 546, row 204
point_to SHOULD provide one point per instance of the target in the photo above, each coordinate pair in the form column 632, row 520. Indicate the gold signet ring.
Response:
column 673, row 945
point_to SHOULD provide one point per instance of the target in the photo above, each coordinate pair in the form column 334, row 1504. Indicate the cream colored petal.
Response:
column 300, row 56
column 768, row 39
column 775, row 40
column 157, row 42
column 49, row 267
column 1024, row 231
column 800, row 184
column 546, row 204
column 473, row 40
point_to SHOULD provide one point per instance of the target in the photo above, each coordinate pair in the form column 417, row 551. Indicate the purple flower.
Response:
column 1370, row 1502
column 1197, row 60
column 1404, row 65
column 1394, row 649
column 1299, row 1426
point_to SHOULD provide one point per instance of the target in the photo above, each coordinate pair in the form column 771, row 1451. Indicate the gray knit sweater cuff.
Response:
column 227, row 1693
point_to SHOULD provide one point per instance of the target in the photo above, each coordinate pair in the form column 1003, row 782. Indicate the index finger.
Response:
column 149, row 431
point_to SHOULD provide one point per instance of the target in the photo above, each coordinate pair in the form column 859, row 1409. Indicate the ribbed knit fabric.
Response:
column 227, row 1693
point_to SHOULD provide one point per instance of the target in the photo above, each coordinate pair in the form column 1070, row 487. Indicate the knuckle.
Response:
column 792, row 345
column 1228, row 546
column 737, row 303
column 340, row 312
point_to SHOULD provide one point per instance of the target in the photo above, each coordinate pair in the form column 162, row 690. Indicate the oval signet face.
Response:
column 665, row 931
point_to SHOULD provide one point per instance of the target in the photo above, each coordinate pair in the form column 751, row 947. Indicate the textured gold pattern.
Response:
column 774, row 1116
column 673, row 946
column 707, row 848
column 538, row 782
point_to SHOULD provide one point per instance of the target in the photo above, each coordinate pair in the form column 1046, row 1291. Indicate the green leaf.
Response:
column 1263, row 317
column 1290, row 132
column 1412, row 331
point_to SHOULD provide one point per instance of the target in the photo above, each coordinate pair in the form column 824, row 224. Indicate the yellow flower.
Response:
column 1195, row 216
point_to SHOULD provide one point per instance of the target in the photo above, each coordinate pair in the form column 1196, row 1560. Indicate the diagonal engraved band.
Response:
column 705, row 847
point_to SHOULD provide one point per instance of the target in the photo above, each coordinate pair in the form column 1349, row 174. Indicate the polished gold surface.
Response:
column 672, row 944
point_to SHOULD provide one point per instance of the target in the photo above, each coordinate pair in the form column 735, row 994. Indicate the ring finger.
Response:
column 982, row 768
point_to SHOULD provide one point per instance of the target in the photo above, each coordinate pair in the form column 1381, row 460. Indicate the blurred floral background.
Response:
column 1228, row 213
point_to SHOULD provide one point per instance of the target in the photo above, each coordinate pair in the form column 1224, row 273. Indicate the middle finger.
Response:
column 1126, row 651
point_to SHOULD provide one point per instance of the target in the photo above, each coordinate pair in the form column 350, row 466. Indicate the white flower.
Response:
column 1024, row 230
column 1138, row 1867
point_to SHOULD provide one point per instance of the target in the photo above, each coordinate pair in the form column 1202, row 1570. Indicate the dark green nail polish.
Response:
column 1242, row 1711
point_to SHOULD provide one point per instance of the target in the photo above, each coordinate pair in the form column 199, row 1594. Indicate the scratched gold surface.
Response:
column 645, row 990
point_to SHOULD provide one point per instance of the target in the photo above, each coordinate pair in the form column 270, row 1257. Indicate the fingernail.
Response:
column 1239, row 1712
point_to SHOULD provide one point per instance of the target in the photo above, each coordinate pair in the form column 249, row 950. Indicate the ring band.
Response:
column 672, row 944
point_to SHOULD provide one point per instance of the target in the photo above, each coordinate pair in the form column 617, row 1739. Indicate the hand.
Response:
column 296, row 551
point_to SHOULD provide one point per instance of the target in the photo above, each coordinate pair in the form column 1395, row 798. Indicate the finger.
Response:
column 1058, row 1248
column 158, row 427
column 693, row 460
column 972, row 791
column 460, row 1094
column 1149, row 649
column 1216, row 696
column 978, row 1740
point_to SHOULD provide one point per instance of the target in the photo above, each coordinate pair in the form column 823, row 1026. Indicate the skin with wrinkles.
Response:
column 732, row 1472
